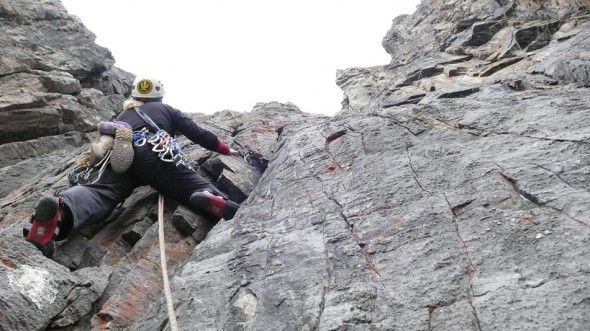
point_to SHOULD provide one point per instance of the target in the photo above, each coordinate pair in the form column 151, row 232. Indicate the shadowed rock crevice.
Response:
column 522, row 193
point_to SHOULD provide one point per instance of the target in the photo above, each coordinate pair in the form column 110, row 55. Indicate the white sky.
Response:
column 230, row 54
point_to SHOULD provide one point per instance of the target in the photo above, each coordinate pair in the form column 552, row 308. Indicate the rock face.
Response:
column 53, row 77
column 452, row 48
column 450, row 193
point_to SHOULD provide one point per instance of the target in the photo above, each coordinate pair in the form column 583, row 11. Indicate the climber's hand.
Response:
column 233, row 152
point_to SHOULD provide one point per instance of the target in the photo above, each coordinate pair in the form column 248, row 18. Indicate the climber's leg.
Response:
column 214, row 204
column 182, row 185
column 92, row 203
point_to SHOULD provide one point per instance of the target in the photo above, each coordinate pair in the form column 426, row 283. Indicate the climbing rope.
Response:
column 167, row 292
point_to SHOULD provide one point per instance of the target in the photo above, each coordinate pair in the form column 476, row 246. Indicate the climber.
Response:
column 144, row 152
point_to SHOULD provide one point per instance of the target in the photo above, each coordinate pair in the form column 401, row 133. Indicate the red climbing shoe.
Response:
column 45, row 221
column 213, row 204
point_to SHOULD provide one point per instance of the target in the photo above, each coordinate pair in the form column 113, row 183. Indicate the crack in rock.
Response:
column 560, row 178
column 414, row 173
column 524, row 194
column 471, row 268
column 433, row 307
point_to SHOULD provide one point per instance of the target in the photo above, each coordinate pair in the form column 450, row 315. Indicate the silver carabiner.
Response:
column 155, row 140
column 163, row 144
column 163, row 155
column 157, row 148
column 140, row 142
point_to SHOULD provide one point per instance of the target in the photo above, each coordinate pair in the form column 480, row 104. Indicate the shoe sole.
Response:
column 230, row 210
column 122, row 154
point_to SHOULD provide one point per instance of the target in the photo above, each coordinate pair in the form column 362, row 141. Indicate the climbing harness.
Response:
column 167, row 291
column 163, row 143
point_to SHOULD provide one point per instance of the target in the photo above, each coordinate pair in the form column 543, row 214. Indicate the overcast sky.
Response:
column 230, row 54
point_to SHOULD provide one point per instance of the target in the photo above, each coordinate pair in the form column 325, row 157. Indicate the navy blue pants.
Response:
column 92, row 203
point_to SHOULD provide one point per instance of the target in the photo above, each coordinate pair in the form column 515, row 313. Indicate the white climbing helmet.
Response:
column 150, row 88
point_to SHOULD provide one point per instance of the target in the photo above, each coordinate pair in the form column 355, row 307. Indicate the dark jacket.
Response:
column 173, row 121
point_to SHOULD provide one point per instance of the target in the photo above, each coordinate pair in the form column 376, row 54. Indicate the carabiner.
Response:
column 139, row 137
column 163, row 155
column 163, row 144
column 155, row 140
column 140, row 142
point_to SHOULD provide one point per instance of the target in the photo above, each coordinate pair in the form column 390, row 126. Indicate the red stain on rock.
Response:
column 503, row 199
column 331, row 168
column 128, row 303
column 487, row 204
column 528, row 218
column 396, row 221
column 100, row 322
column 263, row 129
column 370, row 265
column 431, row 310
column 8, row 263
column 23, row 214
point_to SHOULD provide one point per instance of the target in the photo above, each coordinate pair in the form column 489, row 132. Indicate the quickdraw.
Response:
column 84, row 173
column 165, row 145
column 140, row 137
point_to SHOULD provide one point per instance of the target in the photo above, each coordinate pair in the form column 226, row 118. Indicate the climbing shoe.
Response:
column 213, row 204
column 45, row 222
column 122, row 154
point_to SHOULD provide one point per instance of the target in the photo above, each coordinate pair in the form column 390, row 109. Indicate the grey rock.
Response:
column 566, row 60
column 46, row 57
column 38, row 288
column 114, row 81
column 234, row 176
column 530, row 46
column 436, row 23
column 82, row 298
column 37, row 163
column 63, row 83
column 190, row 223
column 461, row 93
column 481, row 32
column 449, row 193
